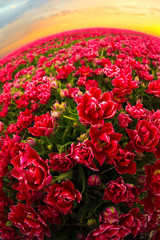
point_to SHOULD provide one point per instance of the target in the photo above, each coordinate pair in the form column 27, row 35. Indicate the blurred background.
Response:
column 23, row 21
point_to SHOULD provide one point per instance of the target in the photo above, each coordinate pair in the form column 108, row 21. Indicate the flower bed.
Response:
column 79, row 137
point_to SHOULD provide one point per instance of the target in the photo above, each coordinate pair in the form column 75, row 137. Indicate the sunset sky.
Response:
column 23, row 21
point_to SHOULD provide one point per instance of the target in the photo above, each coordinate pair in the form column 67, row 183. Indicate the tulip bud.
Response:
column 8, row 224
column 140, row 156
column 54, row 82
column 136, row 79
column 63, row 106
column 58, row 62
column 79, row 94
column 82, row 137
column 59, row 107
column 69, row 85
column 56, row 106
column 91, row 222
column 31, row 141
column 109, row 215
column 50, row 147
column 75, row 125
column 141, row 180
column 55, row 115
column 62, row 93
column 80, row 236
column 94, row 180
column 158, row 74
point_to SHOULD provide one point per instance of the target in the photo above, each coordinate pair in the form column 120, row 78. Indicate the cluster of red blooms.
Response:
column 79, row 137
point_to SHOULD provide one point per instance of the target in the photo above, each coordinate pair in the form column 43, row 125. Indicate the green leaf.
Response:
column 82, row 176
column 83, row 211
column 63, row 235
column 73, row 119
column 63, row 176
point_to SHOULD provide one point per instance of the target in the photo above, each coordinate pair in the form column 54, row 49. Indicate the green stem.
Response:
column 82, row 174
column 24, row 134
column 107, row 170
column 68, row 143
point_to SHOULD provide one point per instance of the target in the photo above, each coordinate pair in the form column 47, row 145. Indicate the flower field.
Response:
column 80, row 137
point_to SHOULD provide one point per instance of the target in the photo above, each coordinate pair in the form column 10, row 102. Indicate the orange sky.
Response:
column 48, row 18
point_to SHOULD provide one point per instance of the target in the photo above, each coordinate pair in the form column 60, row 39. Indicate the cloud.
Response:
column 131, row 10
column 15, row 31
column 131, row 7
column 142, row 11
column 65, row 12
column 4, row 3
column 155, row 12
column 23, row 27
